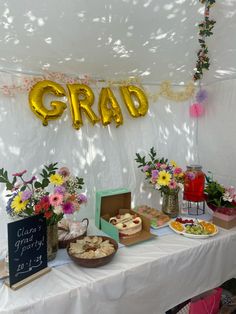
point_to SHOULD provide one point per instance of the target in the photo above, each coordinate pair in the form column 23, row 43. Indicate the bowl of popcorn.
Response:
column 92, row 251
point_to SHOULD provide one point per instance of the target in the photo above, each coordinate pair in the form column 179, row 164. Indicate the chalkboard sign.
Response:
column 27, row 247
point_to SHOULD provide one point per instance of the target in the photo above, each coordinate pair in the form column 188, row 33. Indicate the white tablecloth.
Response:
column 150, row 277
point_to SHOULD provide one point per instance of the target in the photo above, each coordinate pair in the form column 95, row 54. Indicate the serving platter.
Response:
column 197, row 229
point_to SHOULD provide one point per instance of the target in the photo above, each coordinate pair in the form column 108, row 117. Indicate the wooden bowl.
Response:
column 62, row 244
column 94, row 262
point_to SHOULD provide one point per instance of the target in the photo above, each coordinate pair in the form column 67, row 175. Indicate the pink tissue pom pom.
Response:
column 196, row 110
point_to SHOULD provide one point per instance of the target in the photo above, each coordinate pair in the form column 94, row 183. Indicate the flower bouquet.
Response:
column 164, row 176
column 220, row 198
column 55, row 194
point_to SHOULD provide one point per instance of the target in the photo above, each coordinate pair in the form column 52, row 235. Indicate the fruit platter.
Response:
column 193, row 228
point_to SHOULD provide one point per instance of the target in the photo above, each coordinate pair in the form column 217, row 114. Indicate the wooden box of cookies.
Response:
column 115, row 217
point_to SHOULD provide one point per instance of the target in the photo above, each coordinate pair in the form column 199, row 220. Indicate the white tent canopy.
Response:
column 152, row 40
column 156, row 40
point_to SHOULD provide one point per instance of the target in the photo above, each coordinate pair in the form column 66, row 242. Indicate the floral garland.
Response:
column 205, row 30
column 165, row 87
column 27, row 82
column 166, row 91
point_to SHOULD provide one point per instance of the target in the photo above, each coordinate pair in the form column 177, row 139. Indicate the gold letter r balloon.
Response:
column 36, row 100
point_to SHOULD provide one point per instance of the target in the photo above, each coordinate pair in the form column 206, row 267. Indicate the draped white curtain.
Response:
column 217, row 130
column 103, row 156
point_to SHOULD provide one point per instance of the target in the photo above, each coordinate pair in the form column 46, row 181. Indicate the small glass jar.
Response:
column 194, row 184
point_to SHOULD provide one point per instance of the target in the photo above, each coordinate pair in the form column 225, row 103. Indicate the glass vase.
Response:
column 170, row 203
column 52, row 241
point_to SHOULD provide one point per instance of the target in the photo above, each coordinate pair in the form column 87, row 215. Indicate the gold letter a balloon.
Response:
column 109, row 107
column 36, row 102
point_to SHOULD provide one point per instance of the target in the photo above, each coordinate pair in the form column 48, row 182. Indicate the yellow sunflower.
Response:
column 173, row 164
column 17, row 204
column 164, row 178
column 56, row 179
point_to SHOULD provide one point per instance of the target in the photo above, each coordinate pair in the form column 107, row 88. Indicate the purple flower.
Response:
column 60, row 189
column 26, row 195
column 82, row 198
column 68, row 208
column 201, row 96
column 191, row 175
column 155, row 174
column 145, row 168
column 9, row 210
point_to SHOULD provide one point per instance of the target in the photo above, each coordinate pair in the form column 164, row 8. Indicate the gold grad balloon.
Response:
column 127, row 92
column 36, row 100
column 109, row 107
column 81, row 97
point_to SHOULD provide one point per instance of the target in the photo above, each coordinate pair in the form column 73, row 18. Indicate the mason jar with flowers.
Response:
column 53, row 196
column 164, row 176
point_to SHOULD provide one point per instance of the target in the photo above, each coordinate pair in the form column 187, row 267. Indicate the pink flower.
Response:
column 178, row 171
column 145, row 168
column 31, row 180
column 64, row 172
column 19, row 174
column 172, row 185
column 56, row 199
column 163, row 166
column 68, row 208
column 231, row 191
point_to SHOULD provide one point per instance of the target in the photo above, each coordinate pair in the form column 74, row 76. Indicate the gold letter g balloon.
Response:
column 36, row 102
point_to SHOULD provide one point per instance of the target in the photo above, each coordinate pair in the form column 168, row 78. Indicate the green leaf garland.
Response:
column 205, row 30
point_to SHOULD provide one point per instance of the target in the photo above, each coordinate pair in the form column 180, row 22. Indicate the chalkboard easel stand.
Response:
column 27, row 280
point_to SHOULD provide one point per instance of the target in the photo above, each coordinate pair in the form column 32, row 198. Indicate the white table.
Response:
column 150, row 277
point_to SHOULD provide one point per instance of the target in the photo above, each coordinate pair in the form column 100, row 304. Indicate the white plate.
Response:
column 190, row 235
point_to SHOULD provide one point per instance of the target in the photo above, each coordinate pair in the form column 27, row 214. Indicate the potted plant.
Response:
column 222, row 201
column 218, row 197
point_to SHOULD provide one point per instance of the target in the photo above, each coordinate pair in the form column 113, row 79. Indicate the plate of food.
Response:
column 92, row 251
column 193, row 228
column 157, row 218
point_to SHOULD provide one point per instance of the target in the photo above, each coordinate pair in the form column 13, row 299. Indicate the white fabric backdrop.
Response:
column 217, row 131
column 103, row 156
